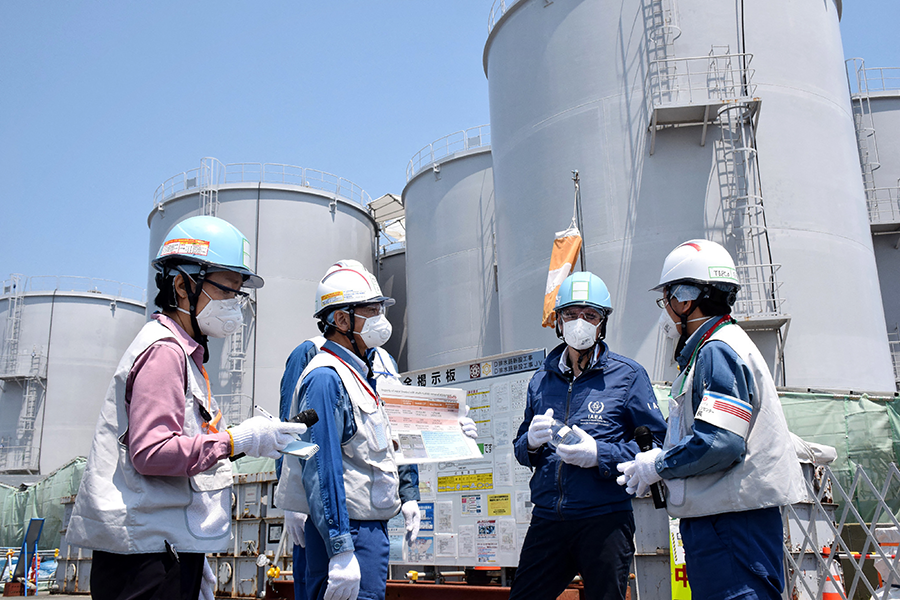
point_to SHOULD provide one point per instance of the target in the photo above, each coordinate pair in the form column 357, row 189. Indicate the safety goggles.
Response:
column 584, row 313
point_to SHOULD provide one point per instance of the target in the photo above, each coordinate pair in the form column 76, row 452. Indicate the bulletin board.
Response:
column 475, row 512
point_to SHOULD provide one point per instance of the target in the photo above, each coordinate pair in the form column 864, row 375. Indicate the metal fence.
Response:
column 91, row 285
column 458, row 141
column 265, row 173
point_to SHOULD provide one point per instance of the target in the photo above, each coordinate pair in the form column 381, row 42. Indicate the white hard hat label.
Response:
column 723, row 273
column 185, row 246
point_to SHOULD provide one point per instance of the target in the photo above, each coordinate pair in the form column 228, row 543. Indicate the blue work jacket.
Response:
column 608, row 401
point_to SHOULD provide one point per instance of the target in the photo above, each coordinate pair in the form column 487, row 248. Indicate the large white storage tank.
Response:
column 876, row 107
column 298, row 221
column 450, row 265
column 392, row 279
column 63, row 337
column 769, row 168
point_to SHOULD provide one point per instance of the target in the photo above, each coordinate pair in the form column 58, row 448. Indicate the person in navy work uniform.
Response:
column 728, row 462
column 582, row 522
column 384, row 368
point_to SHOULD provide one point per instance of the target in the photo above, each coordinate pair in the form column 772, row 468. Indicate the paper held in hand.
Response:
column 425, row 424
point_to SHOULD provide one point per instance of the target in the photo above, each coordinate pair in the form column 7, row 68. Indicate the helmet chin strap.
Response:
column 193, row 296
column 352, row 335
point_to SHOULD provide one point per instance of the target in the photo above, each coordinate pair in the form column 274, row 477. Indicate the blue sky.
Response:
column 101, row 101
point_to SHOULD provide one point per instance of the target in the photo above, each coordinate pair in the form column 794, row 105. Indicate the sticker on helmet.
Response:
column 723, row 274
column 332, row 298
column 246, row 257
column 185, row 246
column 580, row 290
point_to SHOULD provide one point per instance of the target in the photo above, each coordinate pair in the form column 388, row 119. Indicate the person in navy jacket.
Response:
column 582, row 521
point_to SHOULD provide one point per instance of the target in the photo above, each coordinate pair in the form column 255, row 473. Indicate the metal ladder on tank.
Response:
column 15, row 288
column 211, row 172
column 661, row 26
column 234, row 410
column 866, row 142
column 34, row 391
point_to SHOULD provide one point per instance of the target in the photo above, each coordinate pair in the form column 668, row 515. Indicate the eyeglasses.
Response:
column 662, row 302
column 581, row 312
column 369, row 310
column 229, row 292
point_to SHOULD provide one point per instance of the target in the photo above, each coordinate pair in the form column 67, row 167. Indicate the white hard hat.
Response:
column 347, row 283
column 699, row 261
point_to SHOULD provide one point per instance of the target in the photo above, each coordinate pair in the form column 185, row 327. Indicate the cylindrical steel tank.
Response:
column 876, row 103
column 392, row 279
column 453, row 310
column 596, row 85
column 299, row 222
column 63, row 337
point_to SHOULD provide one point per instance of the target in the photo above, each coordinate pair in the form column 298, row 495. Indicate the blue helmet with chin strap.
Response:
column 583, row 289
column 209, row 242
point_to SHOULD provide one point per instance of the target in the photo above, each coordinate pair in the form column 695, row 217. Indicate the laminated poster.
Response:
column 443, row 514
column 499, row 505
column 425, row 426
column 466, row 540
column 422, row 550
column 486, row 541
column 446, row 544
column 470, row 505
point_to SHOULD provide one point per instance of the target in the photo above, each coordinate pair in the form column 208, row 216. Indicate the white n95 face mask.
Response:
column 579, row 334
column 667, row 326
column 221, row 317
column 376, row 331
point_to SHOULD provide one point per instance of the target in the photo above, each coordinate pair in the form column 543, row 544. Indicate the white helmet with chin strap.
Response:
column 346, row 285
column 697, row 270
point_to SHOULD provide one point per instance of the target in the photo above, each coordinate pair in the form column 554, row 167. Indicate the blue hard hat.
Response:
column 583, row 289
column 211, row 242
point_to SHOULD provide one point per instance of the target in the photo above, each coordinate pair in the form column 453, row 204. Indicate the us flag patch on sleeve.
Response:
column 726, row 412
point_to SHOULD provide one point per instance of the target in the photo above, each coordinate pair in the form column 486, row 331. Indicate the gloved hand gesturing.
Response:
column 639, row 474
column 413, row 518
column 539, row 430
column 468, row 425
column 295, row 523
column 581, row 454
column 343, row 577
column 260, row 436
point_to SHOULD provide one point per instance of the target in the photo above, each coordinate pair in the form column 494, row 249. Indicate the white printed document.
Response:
column 424, row 424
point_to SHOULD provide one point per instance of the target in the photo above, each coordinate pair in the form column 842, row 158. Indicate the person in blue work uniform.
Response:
column 352, row 486
column 385, row 369
column 582, row 522
column 728, row 462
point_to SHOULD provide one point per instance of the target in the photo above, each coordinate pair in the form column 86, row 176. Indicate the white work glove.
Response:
column 412, row 516
column 539, row 430
column 208, row 583
column 468, row 426
column 639, row 474
column 260, row 436
column 343, row 577
column 295, row 523
column 581, row 454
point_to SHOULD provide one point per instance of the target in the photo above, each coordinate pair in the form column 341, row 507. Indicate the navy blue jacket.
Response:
column 608, row 401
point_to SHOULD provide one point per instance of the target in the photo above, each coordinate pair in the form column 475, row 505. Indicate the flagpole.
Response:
column 578, row 217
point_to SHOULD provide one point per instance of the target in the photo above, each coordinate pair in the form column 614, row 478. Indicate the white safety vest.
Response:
column 770, row 473
column 371, row 481
column 119, row 510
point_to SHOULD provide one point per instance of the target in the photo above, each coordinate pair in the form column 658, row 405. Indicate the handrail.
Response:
column 872, row 79
column 267, row 173
column 498, row 9
column 458, row 141
column 884, row 205
column 92, row 285
column 718, row 77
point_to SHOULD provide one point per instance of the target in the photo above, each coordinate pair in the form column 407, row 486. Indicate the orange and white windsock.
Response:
column 562, row 259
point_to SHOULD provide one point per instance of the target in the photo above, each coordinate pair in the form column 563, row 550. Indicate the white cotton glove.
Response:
column 582, row 454
column 413, row 518
column 260, row 436
column 640, row 473
column 468, row 426
column 208, row 583
column 539, row 430
column 343, row 577
column 295, row 523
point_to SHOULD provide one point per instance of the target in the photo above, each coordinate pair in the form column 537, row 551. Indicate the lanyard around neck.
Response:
column 209, row 424
column 365, row 385
column 726, row 320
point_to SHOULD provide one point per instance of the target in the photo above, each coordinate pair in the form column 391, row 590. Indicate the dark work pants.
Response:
column 600, row 548
column 299, row 569
column 735, row 555
column 146, row 576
